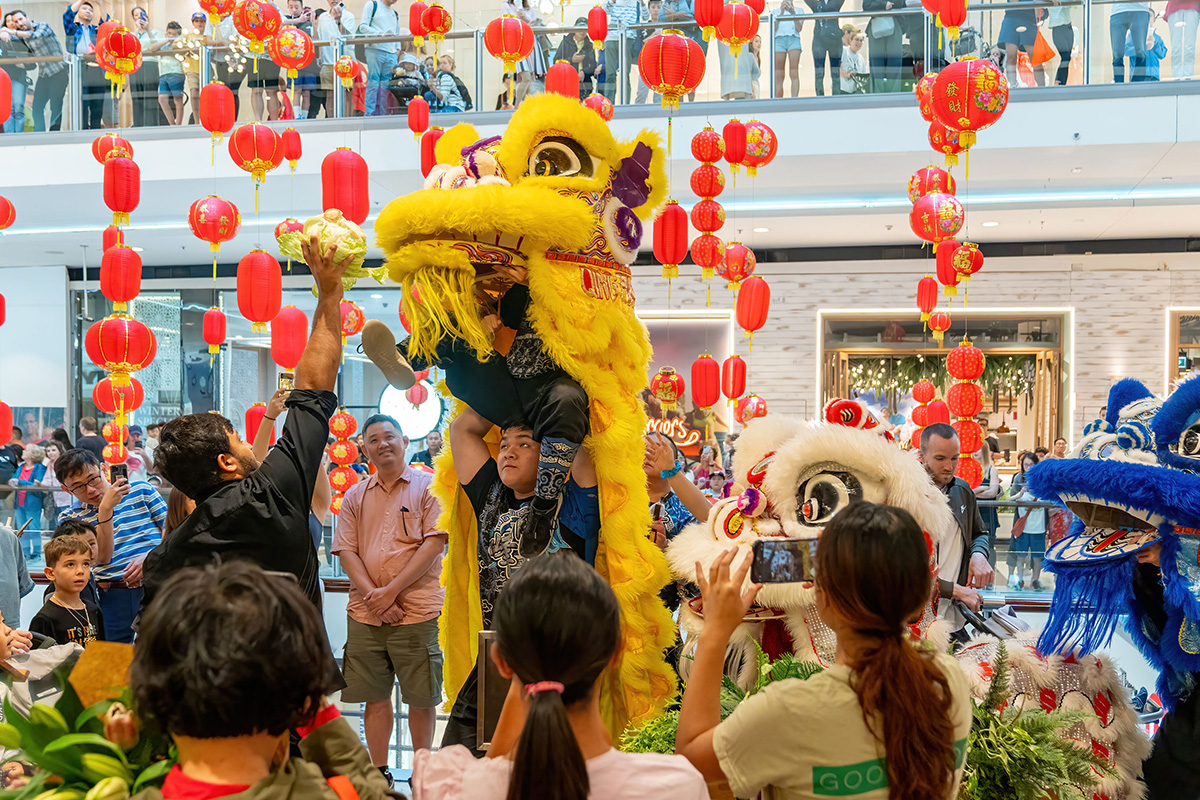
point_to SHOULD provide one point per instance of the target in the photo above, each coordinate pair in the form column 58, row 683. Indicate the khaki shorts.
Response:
column 329, row 79
column 377, row 656
column 193, row 80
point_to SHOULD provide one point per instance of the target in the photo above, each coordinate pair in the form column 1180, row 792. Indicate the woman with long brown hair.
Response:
column 888, row 721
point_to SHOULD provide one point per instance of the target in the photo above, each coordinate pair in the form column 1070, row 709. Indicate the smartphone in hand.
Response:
column 118, row 471
column 784, row 561
column 287, row 381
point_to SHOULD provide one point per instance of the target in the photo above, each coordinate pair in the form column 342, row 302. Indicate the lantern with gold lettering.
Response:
column 667, row 387
column 969, row 96
column 937, row 217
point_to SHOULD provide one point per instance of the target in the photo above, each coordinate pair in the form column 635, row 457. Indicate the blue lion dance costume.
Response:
column 1134, row 486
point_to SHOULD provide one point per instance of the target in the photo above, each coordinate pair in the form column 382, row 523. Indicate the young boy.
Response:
column 67, row 617
column 230, row 658
column 85, row 531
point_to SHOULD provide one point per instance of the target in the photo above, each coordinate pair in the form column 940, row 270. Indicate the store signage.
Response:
column 676, row 429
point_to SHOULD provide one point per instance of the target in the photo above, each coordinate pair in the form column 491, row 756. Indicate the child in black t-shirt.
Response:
column 85, row 531
column 67, row 617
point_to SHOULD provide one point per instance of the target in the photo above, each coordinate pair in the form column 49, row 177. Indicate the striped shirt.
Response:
column 137, row 527
column 626, row 11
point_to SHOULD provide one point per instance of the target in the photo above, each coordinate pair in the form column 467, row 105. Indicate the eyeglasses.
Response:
column 92, row 481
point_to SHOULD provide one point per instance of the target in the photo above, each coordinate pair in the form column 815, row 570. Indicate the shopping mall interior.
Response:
column 1081, row 191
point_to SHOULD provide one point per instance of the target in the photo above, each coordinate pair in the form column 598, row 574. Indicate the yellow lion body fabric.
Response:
column 548, row 196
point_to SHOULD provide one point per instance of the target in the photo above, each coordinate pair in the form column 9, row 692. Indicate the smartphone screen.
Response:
column 784, row 560
column 656, row 511
column 118, row 471
column 287, row 381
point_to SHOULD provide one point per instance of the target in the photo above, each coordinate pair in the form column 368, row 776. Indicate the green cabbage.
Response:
column 333, row 228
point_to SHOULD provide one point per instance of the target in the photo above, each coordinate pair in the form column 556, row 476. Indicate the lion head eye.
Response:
column 825, row 494
column 560, row 156
column 1189, row 442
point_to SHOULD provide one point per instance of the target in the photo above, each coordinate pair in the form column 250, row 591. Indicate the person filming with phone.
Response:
column 887, row 721
column 247, row 509
column 128, row 518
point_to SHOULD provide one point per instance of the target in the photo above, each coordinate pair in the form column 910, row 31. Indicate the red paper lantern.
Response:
column 930, row 179
column 343, row 452
column 708, row 15
column 120, row 275
column 738, row 26
column 937, row 217
column 563, row 78
column 939, row 323
column 966, row 363
column 254, row 147
column 417, row 394
column 750, row 407
column 927, row 296
column 353, row 319
column 115, row 432
column 112, row 399
column 967, row 260
column 292, row 49
column 8, row 213
column 114, row 454
column 120, row 53
column 924, row 100
column 214, row 220
column 671, row 238
column 342, row 425
column 292, row 148
column 965, row 400
column 214, row 329
column 668, row 387
column 970, row 471
column 112, row 236
column 418, row 116
column 218, row 9
column 259, row 289
column 946, row 141
column 946, row 274
column 738, row 265
column 923, row 391
column 951, row 15
column 708, row 252
column 429, row 142
column 758, row 6
column 436, row 21
column 122, row 187
column 344, row 184
column 421, row 375
column 597, row 25
column 708, row 145
column 342, row 478
column 104, row 31
column 5, row 97
column 344, row 68
column 109, row 145
column 708, row 216
column 672, row 65
column 289, row 225
column 2, row 312
column 289, row 335
column 416, row 23
column 938, row 412
column 600, row 104
column 920, row 416
column 6, row 417
column 708, row 181
column 335, row 503
column 753, row 304
column 509, row 39
column 733, row 378
column 706, row 382
column 257, row 21
column 120, row 345
column 254, row 418
column 216, row 110
column 969, row 96
column 734, row 134
column 761, row 146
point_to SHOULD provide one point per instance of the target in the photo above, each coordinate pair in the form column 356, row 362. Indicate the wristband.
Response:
column 270, row 418
column 104, row 521
column 667, row 474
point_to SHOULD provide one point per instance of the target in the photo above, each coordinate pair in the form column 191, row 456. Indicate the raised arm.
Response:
column 318, row 367
column 262, row 437
column 467, row 446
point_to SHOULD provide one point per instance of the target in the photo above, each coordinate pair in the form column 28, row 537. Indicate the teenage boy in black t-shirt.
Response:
column 67, row 617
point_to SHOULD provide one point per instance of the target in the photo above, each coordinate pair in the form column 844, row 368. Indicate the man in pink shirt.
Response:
column 391, row 549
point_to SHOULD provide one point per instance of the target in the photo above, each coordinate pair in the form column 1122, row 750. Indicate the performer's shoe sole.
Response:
column 379, row 345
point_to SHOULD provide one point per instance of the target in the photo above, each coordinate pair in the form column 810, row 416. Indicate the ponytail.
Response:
column 873, row 567
column 548, row 764
column 557, row 626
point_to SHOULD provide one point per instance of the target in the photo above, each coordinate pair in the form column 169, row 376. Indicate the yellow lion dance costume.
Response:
column 543, row 197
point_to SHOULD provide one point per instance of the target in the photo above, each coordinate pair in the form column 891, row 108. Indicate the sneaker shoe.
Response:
column 1012, row 581
column 379, row 345
column 536, row 527
column 1037, row 586
column 387, row 776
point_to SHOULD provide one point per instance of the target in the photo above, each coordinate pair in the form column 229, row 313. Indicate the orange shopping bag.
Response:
column 1025, row 69
column 1042, row 50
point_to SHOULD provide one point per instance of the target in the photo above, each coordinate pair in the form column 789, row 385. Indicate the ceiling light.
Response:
column 990, row 224
column 1168, row 179
column 762, row 230
column 1076, row 170
column 54, row 252
column 136, row 249
column 376, row 297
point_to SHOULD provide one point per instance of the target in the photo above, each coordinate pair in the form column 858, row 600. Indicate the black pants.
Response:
column 554, row 405
column 1064, row 42
column 95, row 91
column 143, row 95
column 463, row 725
column 1172, row 772
column 233, row 79
column 820, row 49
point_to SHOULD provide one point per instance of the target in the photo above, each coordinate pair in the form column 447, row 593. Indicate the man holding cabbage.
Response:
column 251, row 510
